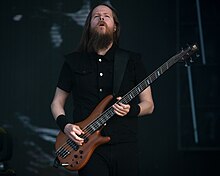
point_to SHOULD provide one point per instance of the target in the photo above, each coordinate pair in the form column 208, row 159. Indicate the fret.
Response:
column 161, row 70
column 144, row 84
column 105, row 116
column 138, row 90
column 150, row 81
column 130, row 96
column 101, row 121
column 158, row 73
column 126, row 99
column 110, row 113
column 153, row 76
column 97, row 124
column 92, row 127
column 164, row 67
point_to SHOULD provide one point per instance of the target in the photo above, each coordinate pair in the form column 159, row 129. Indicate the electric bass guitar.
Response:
column 73, row 156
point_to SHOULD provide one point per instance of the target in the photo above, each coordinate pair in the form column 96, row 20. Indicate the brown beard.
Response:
column 99, row 41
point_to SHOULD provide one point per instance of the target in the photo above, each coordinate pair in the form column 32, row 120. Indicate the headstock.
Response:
column 186, row 54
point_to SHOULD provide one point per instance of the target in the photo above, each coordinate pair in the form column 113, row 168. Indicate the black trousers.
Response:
column 113, row 160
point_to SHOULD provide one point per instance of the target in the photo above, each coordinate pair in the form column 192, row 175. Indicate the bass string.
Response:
column 68, row 147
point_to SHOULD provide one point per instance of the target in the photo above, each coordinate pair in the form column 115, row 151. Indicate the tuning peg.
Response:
column 197, row 55
column 191, row 60
column 186, row 64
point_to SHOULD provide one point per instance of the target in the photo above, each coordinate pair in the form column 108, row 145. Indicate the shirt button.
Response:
column 100, row 90
column 101, row 74
column 100, row 60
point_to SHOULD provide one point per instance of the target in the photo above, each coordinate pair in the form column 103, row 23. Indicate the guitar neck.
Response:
column 150, row 79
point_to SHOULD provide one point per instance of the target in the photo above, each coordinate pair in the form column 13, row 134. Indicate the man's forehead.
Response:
column 102, row 9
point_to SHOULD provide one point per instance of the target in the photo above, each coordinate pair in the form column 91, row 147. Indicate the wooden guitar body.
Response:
column 73, row 156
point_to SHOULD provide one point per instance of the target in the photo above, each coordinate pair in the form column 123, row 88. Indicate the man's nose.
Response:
column 101, row 18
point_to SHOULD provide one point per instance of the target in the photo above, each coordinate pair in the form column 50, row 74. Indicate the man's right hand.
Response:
column 73, row 132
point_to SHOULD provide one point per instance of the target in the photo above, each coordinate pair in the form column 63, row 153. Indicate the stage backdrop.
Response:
column 36, row 34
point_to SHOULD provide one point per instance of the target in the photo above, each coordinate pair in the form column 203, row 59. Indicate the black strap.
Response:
column 120, row 63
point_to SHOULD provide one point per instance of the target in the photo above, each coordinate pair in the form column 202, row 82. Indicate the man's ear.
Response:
column 115, row 28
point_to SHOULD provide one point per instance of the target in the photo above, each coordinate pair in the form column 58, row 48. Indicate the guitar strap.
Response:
column 120, row 63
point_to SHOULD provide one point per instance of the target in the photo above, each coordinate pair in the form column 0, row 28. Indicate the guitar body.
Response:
column 76, row 159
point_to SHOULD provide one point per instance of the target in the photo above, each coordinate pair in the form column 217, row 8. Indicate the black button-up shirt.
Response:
column 89, row 77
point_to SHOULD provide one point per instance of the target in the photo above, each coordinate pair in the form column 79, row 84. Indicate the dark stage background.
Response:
column 180, row 138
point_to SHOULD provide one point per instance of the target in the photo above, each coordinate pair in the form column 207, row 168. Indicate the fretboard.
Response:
column 150, row 79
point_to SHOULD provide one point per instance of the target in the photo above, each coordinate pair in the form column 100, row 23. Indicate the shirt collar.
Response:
column 108, row 56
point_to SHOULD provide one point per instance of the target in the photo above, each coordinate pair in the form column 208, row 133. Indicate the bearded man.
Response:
column 89, row 75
